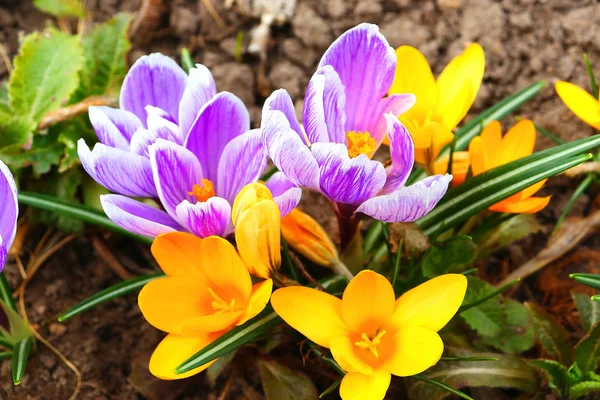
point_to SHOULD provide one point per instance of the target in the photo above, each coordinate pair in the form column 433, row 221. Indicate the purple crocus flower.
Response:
column 347, row 114
column 9, row 211
column 178, row 141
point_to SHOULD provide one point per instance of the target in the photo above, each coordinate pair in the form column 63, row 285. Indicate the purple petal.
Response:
column 176, row 170
column 285, row 193
column 366, row 64
column 409, row 203
column 3, row 253
column 159, row 127
column 280, row 100
column 288, row 151
column 324, row 116
column 242, row 162
column 199, row 90
column 153, row 80
column 212, row 217
column 9, row 206
column 395, row 104
column 403, row 155
column 117, row 170
column 347, row 180
column 114, row 127
column 137, row 217
column 223, row 118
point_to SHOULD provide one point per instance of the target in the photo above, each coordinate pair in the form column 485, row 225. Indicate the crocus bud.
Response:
column 257, row 223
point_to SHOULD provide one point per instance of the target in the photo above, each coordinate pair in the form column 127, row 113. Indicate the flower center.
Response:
column 370, row 343
column 203, row 191
column 221, row 306
column 360, row 143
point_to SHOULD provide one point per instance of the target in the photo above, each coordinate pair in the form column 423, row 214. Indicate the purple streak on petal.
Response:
column 395, row 104
column 137, row 217
column 285, row 193
column 114, row 127
column 324, row 116
column 176, row 170
column 153, row 80
column 9, row 206
column 347, row 180
column 199, row 90
column 221, row 119
column 280, row 100
column 3, row 253
column 141, row 140
column 159, row 127
column 403, row 155
column 366, row 64
column 242, row 162
column 203, row 219
column 118, row 170
column 408, row 203
column 288, row 151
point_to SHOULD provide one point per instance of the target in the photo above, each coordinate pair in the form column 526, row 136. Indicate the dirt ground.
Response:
column 524, row 41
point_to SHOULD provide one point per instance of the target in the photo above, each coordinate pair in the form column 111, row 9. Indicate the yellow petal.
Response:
column 209, row 323
column 491, row 137
column 413, row 75
column 174, row 350
column 316, row 315
column 411, row 350
column 441, row 136
column 305, row 235
column 461, row 161
column 476, row 154
column 531, row 190
column 258, row 238
column 168, row 302
column 580, row 102
column 528, row 206
column 261, row 293
column 177, row 254
column 250, row 195
column 431, row 304
column 368, row 302
column 345, row 354
column 459, row 83
column 518, row 142
column 356, row 386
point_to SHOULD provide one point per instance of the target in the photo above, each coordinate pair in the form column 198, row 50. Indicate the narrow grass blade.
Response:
column 20, row 354
column 453, row 358
column 332, row 388
column 397, row 264
column 287, row 261
column 585, row 183
column 186, row 60
column 6, row 293
column 5, row 355
column 550, row 135
column 265, row 177
column 591, row 280
column 372, row 237
column 489, row 296
column 590, row 71
column 442, row 385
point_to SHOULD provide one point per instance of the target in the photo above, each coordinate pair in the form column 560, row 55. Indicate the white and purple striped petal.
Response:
column 242, row 162
column 9, row 211
column 347, row 180
column 324, row 117
column 118, row 170
column 137, row 217
column 221, row 120
column 285, row 193
column 395, row 104
column 280, row 100
column 211, row 217
column 114, row 127
column 200, row 88
column 409, row 203
column 176, row 170
column 402, row 152
column 3, row 253
column 153, row 80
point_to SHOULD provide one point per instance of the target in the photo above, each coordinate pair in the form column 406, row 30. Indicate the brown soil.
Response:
column 525, row 41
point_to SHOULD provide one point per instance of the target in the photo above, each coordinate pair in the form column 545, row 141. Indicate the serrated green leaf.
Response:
column 15, row 131
column 515, row 228
column 450, row 255
column 517, row 333
column 45, row 73
column 583, row 388
column 61, row 8
column 551, row 334
column 556, row 374
column 20, row 354
column 488, row 317
column 587, row 351
column 589, row 310
column 42, row 156
column 281, row 383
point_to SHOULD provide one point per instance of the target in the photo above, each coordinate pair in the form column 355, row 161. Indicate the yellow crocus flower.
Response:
column 206, row 292
column 580, row 102
column 490, row 150
column 371, row 335
column 441, row 104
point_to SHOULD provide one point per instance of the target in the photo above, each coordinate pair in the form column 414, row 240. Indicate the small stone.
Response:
column 521, row 20
column 450, row 4
column 287, row 76
column 336, row 8
column 299, row 53
column 369, row 10
column 401, row 31
column 310, row 28
column 581, row 25
column 57, row 329
column 237, row 79
column 184, row 21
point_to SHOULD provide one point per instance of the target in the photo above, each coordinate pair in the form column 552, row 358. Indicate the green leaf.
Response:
column 581, row 188
column 583, row 388
column 590, row 70
column 591, row 280
column 587, row 351
column 556, row 374
column 332, row 388
column 488, row 317
column 186, row 60
column 113, row 292
column 443, row 386
column 447, row 256
column 18, row 329
column 508, row 372
column 45, row 73
column 551, row 334
column 5, row 355
column 61, row 8
column 6, row 293
column 281, row 383
column 44, row 153
column 105, row 53
column 589, row 310
column 15, row 131
column 517, row 227
column 517, row 333
column 20, row 354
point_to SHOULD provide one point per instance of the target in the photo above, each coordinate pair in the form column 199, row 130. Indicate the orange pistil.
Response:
column 360, row 143
column 203, row 191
